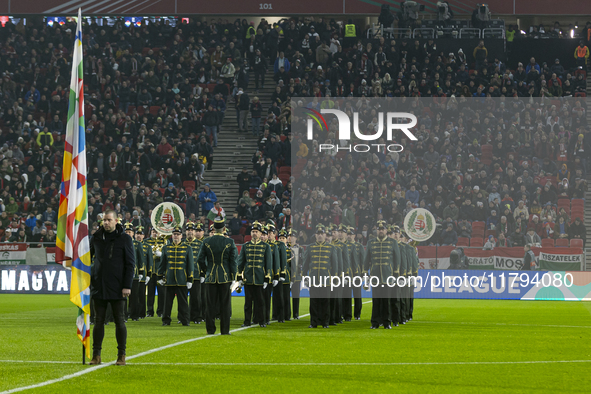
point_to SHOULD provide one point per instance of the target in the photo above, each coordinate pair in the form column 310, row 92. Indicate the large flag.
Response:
column 73, row 247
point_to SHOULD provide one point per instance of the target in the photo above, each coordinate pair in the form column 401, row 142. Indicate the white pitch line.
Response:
column 96, row 367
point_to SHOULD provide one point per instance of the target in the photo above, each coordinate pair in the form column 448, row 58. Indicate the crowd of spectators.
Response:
column 156, row 97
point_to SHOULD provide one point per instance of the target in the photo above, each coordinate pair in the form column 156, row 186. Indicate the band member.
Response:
column 394, row 233
column 217, row 259
column 320, row 261
column 335, row 294
column 286, row 283
column 279, row 271
column 138, row 274
column 195, row 301
column 405, row 268
column 296, row 264
column 357, row 259
column 156, row 242
column 255, row 269
column 266, row 237
column 176, row 275
column 381, row 261
column 149, row 259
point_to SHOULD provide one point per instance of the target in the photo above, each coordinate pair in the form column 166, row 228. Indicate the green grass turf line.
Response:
column 42, row 328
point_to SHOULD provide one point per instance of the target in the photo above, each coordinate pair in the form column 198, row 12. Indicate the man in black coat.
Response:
column 111, row 280
column 243, row 179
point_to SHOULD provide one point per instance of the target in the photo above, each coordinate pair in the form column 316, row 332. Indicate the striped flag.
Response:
column 73, row 247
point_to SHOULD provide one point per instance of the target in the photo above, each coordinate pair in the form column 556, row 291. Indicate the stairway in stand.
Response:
column 235, row 149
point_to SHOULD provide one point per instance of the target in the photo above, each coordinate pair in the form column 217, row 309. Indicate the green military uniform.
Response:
column 357, row 259
column 336, row 301
column 255, row 270
column 139, row 272
column 217, row 259
column 156, row 244
column 149, row 260
column 279, row 262
column 286, row 275
column 176, row 274
column 320, row 261
column 296, row 275
column 414, row 273
column 195, row 303
column 382, row 261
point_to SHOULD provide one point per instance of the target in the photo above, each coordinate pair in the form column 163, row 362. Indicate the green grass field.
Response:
column 451, row 346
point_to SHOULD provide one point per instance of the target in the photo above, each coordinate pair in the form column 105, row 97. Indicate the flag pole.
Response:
column 83, row 355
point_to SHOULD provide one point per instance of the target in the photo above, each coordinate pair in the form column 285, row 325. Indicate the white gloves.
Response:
column 281, row 279
column 291, row 284
column 189, row 285
column 141, row 277
column 202, row 280
column 265, row 285
column 240, row 283
column 158, row 253
column 275, row 281
column 147, row 279
column 161, row 282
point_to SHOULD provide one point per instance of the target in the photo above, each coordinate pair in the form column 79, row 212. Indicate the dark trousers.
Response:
column 403, row 307
column 346, row 303
column 218, row 293
column 295, row 294
column 411, row 300
column 142, row 299
column 335, row 306
column 380, row 307
column 278, row 302
column 180, row 292
column 152, row 286
column 203, row 302
column 195, row 301
column 98, row 333
column 259, row 75
column 253, row 294
column 267, row 295
column 319, row 307
column 134, row 300
column 358, row 302
column 286, row 298
column 395, row 305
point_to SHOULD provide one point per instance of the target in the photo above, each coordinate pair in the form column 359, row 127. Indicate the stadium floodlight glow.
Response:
column 572, row 33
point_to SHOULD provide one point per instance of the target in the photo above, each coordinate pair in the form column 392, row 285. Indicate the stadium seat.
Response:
column 463, row 241
column 547, row 243
column 476, row 225
column 563, row 202
column 576, row 243
column 478, row 242
column 489, row 233
column 578, row 202
column 237, row 239
column 108, row 184
column 561, row 242
column 190, row 184
column 478, row 233
column 183, row 206
column 154, row 110
column 247, row 238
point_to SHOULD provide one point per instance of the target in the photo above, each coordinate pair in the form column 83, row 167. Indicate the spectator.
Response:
column 532, row 238
column 216, row 211
column 449, row 236
column 578, row 230
column 207, row 198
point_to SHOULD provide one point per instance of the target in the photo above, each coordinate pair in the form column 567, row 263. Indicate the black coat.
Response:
column 113, row 264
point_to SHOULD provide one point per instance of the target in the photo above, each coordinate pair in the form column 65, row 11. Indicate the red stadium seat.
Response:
column 562, row 242
column 547, row 243
column 489, row 233
column 237, row 239
column 463, row 241
column 108, row 184
column 154, row 110
column 478, row 233
column 577, row 202
column 476, row 225
column 183, row 206
column 246, row 238
column 563, row 202
column 576, row 243
column 478, row 242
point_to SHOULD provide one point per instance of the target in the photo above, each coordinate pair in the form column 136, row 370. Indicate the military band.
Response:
column 272, row 269
column 176, row 275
